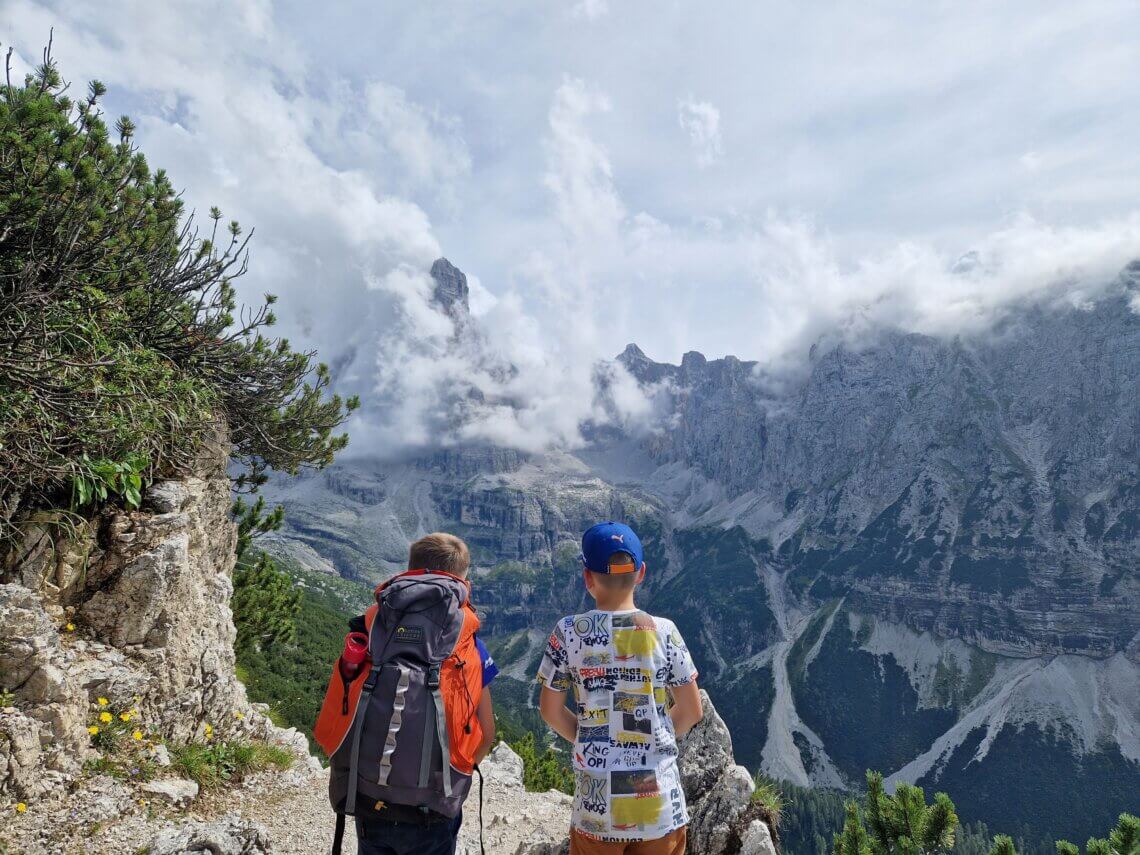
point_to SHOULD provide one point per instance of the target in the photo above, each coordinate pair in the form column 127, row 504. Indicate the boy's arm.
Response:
column 686, row 710
column 486, row 715
column 552, row 707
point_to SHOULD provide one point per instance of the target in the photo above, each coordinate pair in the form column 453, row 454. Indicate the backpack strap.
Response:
column 440, row 727
column 357, row 730
column 338, row 832
column 429, row 736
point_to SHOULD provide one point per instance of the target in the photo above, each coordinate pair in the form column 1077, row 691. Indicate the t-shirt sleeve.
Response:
column 554, row 670
column 680, row 661
column 490, row 669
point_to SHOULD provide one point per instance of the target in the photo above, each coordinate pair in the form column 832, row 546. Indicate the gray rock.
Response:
column 451, row 292
column 757, row 839
column 177, row 792
column 226, row 836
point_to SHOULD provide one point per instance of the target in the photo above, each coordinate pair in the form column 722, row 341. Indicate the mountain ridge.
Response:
column 915, row 522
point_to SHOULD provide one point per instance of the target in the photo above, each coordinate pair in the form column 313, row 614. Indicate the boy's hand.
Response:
column 686, row 710
column 552, row 707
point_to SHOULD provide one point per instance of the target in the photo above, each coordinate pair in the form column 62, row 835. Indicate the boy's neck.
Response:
column 622, row 602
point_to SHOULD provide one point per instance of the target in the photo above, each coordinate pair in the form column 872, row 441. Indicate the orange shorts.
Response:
column 672, row 843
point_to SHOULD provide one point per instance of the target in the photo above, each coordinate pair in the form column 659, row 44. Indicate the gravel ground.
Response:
column 105, row 817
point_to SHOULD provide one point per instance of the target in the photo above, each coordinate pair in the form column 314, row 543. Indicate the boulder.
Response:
column 226, row 836
column 176, row 792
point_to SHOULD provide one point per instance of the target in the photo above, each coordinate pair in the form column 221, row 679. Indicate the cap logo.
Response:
column 620, row 538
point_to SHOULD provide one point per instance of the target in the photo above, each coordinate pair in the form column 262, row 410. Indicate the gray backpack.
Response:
column 405, row 730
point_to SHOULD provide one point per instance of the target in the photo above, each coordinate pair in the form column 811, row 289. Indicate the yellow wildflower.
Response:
column 137, row 735
column 103, row 702
column 93, row 730
column 240, row 716
column 124, row 716
column 70, row 627
column 21, row 808
column 105, row 717
column 143, row 802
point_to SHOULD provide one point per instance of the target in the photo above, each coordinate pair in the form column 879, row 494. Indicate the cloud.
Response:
column 701, row 121
column 591, row 10
column 579, row 174
column 427, row 145
column 942, row 188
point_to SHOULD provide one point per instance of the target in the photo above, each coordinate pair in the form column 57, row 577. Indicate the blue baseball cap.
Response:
column 603, row 540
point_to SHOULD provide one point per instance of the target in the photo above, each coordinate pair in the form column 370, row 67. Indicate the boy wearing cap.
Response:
column 622, row 663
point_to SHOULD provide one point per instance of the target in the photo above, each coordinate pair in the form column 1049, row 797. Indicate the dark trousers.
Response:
column 385, row 837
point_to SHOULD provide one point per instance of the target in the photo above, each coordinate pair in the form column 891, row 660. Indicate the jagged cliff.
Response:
column 132, row 608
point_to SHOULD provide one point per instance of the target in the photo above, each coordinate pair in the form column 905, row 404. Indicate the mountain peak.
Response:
column 633, row 353
column 451, row 292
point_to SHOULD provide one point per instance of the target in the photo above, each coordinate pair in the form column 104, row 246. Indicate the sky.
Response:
column 735, row 178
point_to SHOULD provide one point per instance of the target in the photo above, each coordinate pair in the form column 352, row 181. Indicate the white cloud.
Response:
column 591, row 10
column 701, row 121
column 542, row 158
column 428, row 146
column 579, row 174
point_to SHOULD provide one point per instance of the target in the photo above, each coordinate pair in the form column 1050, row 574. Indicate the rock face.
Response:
column 132, row 607
column 984, row 487
column 451, row 290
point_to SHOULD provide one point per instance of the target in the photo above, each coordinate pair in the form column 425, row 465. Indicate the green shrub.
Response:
column 542, row 771
column 121, row 342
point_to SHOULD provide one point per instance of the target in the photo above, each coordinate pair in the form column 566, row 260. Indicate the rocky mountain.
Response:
column 918, row 555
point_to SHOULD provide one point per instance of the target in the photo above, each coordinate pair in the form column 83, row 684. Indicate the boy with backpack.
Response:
column 622, row 664
column 407, row 715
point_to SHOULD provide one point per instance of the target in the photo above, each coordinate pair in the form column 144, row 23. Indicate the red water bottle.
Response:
column 351, row 662
column 355, row 652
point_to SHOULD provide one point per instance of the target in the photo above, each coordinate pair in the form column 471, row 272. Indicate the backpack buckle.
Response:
column 373, row 678
column 433, row 677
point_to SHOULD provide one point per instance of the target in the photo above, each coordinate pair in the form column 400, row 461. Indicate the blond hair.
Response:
column 440, row 552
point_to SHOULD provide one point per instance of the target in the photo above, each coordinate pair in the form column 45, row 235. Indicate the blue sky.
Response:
column 729, row 177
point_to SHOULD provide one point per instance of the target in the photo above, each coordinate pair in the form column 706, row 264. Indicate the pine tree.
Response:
column 902, row 824
column 1122, row 840
column 122, row 345
column 265, row 605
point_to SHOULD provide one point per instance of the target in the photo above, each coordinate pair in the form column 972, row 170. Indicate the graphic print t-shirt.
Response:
column 627, row 785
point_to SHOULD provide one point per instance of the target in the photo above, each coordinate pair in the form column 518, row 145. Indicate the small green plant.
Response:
column 124, row 745
column 7, row 698
column 99, row 479
column 769, row 794
column 214, row 764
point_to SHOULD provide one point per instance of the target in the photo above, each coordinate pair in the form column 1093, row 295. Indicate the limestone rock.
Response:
column 718, row 792
column 148, row 606
column 227, row 836
column 177, row 792
column 757, row 839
